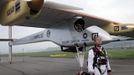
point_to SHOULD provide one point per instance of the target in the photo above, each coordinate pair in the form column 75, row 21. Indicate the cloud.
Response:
column 115, row 10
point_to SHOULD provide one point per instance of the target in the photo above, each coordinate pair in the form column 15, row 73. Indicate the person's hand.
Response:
column 110, row 73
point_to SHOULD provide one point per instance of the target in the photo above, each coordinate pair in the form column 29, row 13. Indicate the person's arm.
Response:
column 90, row 61
column 109, row 68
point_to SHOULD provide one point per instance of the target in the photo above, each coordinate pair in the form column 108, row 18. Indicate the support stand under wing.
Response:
column 80, row 57
column 10, row 44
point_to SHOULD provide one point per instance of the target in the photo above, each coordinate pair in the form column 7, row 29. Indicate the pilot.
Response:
column 98, row 63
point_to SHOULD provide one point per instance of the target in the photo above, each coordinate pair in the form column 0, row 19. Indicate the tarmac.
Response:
column 57, row 66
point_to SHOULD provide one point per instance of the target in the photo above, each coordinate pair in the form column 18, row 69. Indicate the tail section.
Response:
column 37, row 37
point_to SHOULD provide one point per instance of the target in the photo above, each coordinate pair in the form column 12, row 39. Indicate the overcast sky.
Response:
column 115, row 10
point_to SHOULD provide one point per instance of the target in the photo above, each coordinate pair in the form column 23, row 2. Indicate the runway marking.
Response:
column 58, row 55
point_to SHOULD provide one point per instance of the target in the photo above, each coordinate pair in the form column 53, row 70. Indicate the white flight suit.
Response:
column 104, row 68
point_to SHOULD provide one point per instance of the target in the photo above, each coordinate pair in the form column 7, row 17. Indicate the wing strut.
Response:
column 10, row 45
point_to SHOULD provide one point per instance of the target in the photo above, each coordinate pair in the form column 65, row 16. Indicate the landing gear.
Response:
column 80, row 58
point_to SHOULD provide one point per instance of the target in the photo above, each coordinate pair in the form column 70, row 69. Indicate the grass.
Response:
column 112, row 53
column 121, row 53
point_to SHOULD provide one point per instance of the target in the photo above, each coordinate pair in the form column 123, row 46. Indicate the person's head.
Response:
column 97, row 41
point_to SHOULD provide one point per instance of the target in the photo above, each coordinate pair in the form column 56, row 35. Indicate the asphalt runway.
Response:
column 56, row 66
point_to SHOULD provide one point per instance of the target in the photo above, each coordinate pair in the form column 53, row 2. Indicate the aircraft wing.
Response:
column 2, row 3
column 54, row 14
column 51, row 14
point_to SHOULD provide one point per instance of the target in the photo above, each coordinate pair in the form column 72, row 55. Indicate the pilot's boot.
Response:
column 83, row 73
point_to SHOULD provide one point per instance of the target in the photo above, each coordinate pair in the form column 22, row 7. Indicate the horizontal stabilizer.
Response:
column 6, row 39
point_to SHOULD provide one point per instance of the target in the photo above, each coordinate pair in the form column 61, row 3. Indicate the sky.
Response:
column 114, row 10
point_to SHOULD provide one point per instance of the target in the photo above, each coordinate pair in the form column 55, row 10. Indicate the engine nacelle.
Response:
column 35, row 6
column 17, row 11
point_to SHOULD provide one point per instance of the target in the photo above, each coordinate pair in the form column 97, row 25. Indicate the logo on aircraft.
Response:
column 116, row 28
column 15, row 8
column 94, row 35
column 85, row 35
column 48, row 33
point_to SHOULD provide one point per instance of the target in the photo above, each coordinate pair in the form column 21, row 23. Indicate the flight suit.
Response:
column 98, row 65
